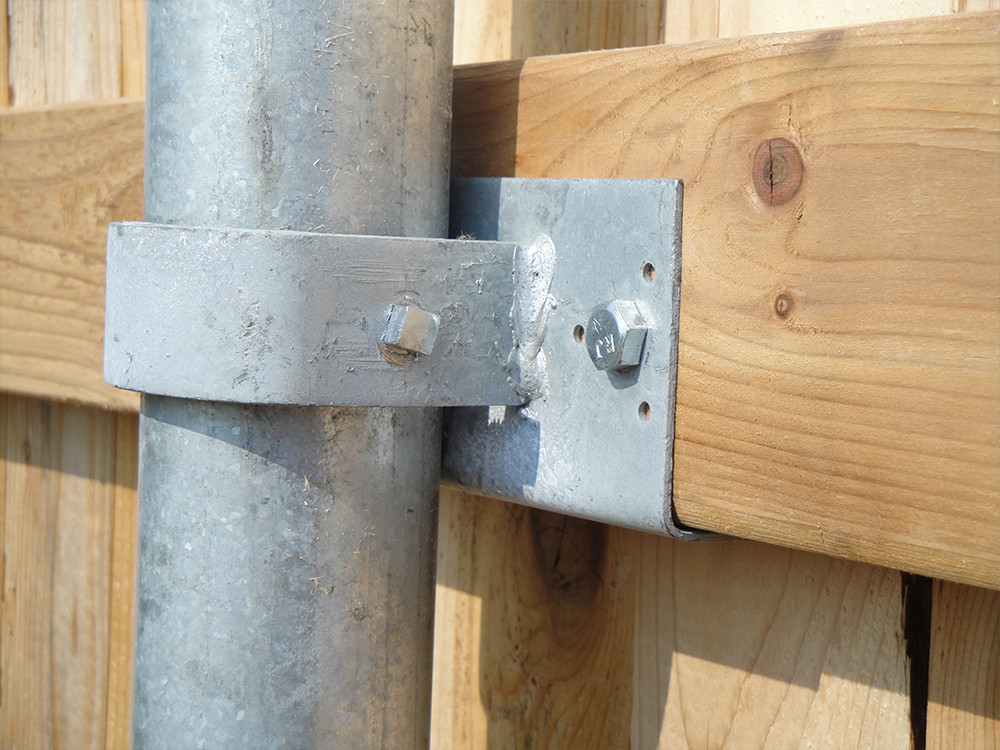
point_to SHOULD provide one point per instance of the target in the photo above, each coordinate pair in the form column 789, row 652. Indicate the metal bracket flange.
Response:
column 593, row 443
column 291, row 317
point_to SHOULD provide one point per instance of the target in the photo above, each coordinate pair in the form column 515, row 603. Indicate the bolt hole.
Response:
column 644, row 411
column 648, row 272
column 578, row 333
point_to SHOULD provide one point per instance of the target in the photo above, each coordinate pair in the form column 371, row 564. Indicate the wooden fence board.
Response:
column 58, row 507
column 68, row 479
column 865, row 697
column 964, row 682
column 744, row 645
column 839, row 377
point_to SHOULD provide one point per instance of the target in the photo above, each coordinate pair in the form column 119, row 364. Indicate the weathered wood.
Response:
column 839, row 376
column 964, row 688
column 64, row 51
column 66, row 173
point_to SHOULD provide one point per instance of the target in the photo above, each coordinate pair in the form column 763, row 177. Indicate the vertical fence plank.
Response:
column 963, row 708
column 68, row 479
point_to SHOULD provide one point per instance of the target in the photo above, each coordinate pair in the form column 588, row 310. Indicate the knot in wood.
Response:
column 777, row 171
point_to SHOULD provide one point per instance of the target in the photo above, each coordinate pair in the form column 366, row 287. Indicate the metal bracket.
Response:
column 279, row 317
column 553, row 320
column 596, row 443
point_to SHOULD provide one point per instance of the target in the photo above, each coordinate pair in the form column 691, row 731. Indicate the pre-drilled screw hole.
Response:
column 644, row 411
column 578, row 333
column 648, row 272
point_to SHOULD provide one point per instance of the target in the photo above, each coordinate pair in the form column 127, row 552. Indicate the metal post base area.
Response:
column 268, row 579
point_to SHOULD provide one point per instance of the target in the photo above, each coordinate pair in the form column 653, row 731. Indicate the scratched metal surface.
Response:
column 590, row 443
column 279, row 317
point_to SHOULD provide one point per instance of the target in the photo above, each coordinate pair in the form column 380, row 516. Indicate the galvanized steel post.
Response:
column 287, row 553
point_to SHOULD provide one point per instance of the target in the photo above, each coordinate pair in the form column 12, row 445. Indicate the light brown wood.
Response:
column 123, row 573
column 563, row 633
column 740, row 17
column 690, row 20
column 479, row 587
column 64, row 51
column 4, row 61
column 839, row 377
column 966, row 6
column 66, row 173
column 68, row 477
column 487, row 30
column 58, row 520
column 534, row 618
column 133, row 43
column 744, row 645
column 964, row 688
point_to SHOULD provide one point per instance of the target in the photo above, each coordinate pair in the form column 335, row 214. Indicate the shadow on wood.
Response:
column 570, row 633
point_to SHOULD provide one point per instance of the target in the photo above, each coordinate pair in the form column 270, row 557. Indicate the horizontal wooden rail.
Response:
column 65, row 173
column 839, row 383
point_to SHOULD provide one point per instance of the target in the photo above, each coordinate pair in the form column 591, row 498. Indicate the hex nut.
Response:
column 615, row 335
column 410, row 329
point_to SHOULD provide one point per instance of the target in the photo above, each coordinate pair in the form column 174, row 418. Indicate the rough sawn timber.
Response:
column 839, row 382
column 839, row 376
column 66, row 172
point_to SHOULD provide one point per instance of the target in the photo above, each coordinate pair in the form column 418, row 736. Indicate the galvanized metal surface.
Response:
column 284, row 601
column 615, row 335
column 287, row 553
column 263, row 316
column 597, row 444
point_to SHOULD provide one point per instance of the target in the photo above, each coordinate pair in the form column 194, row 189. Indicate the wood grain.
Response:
column 59, row 494
column 743, row 645
column 534, row 620
column 964, row 687
column 839, row 376
column 690, row 20
column 133, row 46
column 64, row 51
column 66, row 173
column 972, row 6
column 613, row 638
column 67, row 473
column 487, row 30
column 4, row 61
column 121, row 612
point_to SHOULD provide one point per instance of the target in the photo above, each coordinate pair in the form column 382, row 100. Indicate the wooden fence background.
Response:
column 550, row 632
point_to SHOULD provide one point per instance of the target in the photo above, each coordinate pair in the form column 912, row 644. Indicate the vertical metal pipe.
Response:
column 287, row 553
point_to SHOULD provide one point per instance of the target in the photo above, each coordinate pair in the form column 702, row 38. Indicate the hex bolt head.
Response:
column 615, row 335
column 410, row 329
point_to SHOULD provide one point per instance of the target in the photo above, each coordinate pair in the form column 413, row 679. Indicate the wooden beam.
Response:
column 839, row 382
column 839, row 376
column 66, row 172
